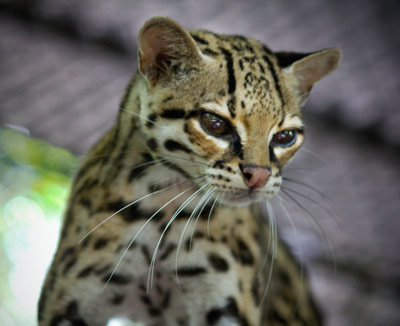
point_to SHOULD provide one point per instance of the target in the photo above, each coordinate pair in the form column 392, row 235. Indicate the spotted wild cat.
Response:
column 163, row 224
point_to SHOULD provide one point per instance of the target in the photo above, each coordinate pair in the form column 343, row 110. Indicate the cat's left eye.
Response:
column 215, row 125
column 284, row 138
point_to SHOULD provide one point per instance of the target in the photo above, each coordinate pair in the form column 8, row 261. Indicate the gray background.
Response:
column 64, row 65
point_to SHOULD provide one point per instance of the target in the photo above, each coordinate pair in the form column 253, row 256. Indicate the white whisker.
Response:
column 315, row 155
column 209, row 215
column 138, row 115
column 177, row 212
column 182, row 236
column 325, row 209
column 327, row 242
column 273, row 253
column 140, row 230
column 133, row 203
column 186, row 159
column 281, row 203
column 206, row 197
column 153, row 162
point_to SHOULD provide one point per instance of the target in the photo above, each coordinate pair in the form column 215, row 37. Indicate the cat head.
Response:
column 223, row 110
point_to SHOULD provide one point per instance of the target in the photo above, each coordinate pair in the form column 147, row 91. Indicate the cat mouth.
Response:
column 243, row 197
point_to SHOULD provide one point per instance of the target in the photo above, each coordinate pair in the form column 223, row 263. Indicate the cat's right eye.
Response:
column 215, row 125
column 284, row 138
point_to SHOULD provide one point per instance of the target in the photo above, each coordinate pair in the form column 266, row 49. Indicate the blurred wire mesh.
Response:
column 64, row 66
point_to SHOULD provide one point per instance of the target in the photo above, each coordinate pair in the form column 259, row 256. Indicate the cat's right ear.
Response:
column 165, row 49
column 303, row 70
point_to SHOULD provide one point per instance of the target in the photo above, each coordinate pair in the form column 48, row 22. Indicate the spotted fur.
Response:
column 165, row 191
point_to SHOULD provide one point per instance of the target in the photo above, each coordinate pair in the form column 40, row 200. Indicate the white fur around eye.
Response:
column 223, row 111
column 242, row 132
column 292, row 123
column 278, row 151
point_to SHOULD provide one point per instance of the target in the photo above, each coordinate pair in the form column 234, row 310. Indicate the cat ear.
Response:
column 305, row 69
column 165, row 48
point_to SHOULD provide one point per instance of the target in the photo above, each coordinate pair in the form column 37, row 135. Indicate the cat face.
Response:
column 224, row 110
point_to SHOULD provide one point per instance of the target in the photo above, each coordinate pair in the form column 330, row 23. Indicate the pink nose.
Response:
column 255, row 176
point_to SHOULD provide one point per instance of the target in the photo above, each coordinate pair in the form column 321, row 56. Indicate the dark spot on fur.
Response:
column 218, row 263
column 152, row 144
column 100, row 243
column 231, row 310
column 219, row 164
column 67, row 252
column 191, row 271
column 154, row 311
column 188, row 244
column 241, row 64
column 146, row 254
column 152, row 118
column 276, row 317
column 137, row 171
column 85, row 241
column 142, row 287
column 200, row 40
column 261, row 68
column 208, row 51
column 231, row 307
column 167, row 251
column 244, row 254
column 255, row 291
column 173, row 145
column 69, row 265
column 85, row 203
column 213, row 316
column 103, row 269
column 284, row 277
column 166, row 300
column 117, row 279
column 167, row 99
column 173, row 114
column 71, row 316
column 231, row 107
column 117, row 299
column 129, row 214
column 159, row 289
column 86, row 271
column 146, row 300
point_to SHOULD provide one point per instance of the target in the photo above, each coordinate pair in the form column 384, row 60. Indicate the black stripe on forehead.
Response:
column 275, row 77
column 231, row 72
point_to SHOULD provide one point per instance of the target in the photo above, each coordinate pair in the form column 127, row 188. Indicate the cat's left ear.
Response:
column 165, row 50
column 305, row 69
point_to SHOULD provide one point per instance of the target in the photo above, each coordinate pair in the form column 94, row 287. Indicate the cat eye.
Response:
column 284, row 138
column 215, row 125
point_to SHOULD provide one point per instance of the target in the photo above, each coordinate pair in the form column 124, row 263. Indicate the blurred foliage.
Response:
column 34, row 182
